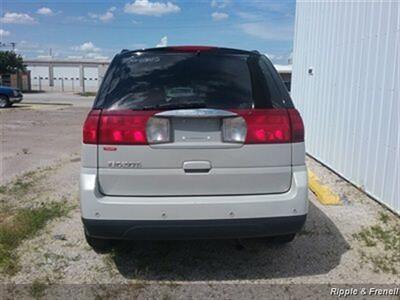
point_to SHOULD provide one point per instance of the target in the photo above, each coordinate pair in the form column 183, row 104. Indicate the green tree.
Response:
column 11, row 63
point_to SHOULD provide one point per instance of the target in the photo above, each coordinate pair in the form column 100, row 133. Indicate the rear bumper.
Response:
column 200, row 216
column 193, row 229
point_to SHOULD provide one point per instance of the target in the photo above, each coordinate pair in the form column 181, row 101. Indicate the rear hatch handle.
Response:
column 197, row 166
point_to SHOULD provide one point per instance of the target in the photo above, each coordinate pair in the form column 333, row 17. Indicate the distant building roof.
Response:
column 283, row 68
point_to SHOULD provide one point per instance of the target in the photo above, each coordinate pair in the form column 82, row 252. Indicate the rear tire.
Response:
column 284, row 239
column 4, row 102
column 99, row 245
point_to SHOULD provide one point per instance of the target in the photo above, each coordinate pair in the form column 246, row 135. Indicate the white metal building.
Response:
column 345, row 82
column 66, row 75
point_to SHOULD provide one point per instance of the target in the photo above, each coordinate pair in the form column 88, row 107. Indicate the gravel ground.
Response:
column 33, row 137
column 51, row 98
column 333, row 248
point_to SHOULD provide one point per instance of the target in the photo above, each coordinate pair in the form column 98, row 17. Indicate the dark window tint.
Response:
column 274, row 81
column 146, row 80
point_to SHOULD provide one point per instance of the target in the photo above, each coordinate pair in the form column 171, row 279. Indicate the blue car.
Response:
column 9, row 96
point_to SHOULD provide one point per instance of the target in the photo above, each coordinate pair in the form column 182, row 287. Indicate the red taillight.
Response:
column 266, row 126
column 271, row 126
column 90, row 127
column 297, row 126
column 125, row 127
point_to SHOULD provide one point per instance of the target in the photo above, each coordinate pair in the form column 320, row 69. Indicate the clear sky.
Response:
column 99, row 29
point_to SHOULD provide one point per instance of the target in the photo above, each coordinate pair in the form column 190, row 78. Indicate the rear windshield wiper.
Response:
column 180, row 105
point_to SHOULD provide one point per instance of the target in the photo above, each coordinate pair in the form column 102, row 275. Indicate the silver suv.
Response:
column 192, row 142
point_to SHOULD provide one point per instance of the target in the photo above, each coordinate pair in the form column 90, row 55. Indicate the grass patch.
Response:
column 24, row 224
column 384, row 217
column 18, row 187
column 37, row 289
column 21, row 185
column 87, row 94
column 382, row 245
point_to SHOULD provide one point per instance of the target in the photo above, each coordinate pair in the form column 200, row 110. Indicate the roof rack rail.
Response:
column 255, row 51
column 124, row 51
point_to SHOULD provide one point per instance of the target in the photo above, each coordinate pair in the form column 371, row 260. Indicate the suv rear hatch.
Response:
column 192, row 121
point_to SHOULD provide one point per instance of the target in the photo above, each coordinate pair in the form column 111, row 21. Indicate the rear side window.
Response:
column 157, row 79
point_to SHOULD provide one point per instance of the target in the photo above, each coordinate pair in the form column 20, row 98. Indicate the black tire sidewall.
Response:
column 8, row 103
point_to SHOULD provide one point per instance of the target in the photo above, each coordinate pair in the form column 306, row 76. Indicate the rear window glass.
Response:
column 160, row 80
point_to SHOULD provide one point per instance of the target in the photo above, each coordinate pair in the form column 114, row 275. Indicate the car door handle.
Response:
column 197, row 166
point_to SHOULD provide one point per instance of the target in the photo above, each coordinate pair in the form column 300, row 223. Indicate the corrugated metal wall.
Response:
column 350, row 104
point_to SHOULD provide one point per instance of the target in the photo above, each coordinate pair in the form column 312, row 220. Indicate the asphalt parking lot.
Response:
column 356, row 242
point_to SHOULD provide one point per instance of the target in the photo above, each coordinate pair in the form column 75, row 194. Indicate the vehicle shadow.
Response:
column 316, row 250
column 15, row 106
